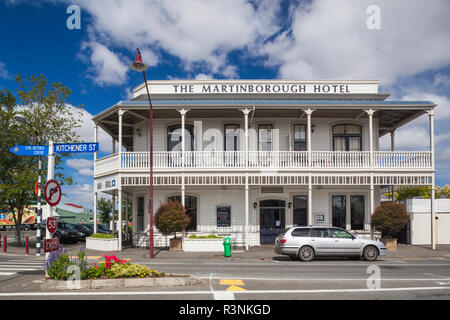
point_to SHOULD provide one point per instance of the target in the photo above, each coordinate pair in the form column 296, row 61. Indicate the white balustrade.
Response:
column 264, row 159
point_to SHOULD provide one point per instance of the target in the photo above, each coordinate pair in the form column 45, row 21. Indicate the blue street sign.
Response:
column 75, row 147
column 30, row 150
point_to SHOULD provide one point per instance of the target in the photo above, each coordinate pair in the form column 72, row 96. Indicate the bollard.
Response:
column 26, row 246
column 4, row 243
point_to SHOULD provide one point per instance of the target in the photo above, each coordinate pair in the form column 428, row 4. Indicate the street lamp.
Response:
column 21, row 119
column 139, row 66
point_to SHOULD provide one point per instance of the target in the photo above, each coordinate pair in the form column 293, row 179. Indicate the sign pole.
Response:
column 39, row 212
column 50, row 176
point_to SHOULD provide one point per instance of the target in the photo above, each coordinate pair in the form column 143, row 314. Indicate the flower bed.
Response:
column 102, row 244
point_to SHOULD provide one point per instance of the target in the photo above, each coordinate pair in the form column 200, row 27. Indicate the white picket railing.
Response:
column 265, row 159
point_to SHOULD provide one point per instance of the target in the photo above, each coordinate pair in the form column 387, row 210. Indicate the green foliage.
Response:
column 171, row 218
column 389, row 218
column 420, row 192
column 59, row 261
column 101, row 236
column 104, row 209
column 210, row 236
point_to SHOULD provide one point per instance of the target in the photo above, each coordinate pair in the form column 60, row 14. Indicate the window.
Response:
column 336, row 233
column 231, row 142
column 224, row 216
column 300, row 210
column 300, row 232
column 299, row 137
column 339, row 208
column 174, row 138
column 347, row 137
column 140, row 214
column 190, row 204
column 265, row 137
column 320, row 233
column 357, row 212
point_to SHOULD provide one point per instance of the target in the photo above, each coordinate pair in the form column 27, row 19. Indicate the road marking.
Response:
column 7, row 273
column 327, row 279
column 231, row 282
column 220, row 295
column 180, row 292
column 235, row 288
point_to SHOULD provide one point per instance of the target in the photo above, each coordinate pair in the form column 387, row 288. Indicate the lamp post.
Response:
column 139, row 66
column 39, row 200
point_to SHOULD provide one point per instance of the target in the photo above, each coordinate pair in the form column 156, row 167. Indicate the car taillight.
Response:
column 283, row 240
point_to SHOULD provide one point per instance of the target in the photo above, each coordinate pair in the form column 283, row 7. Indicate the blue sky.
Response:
column 409, row 52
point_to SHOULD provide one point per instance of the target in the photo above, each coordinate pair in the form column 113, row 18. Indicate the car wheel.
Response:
column 306, row 254
column 370, row 253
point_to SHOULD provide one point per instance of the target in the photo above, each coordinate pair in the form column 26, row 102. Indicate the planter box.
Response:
column 199, row 245
column 102, row 244
column 390, row 243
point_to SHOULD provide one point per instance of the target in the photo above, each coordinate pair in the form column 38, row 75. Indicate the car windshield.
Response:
column 67, row 226
column 82, row 227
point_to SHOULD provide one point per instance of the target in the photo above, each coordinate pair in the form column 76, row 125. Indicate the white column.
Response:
column 370, row 113
column 120, row 219
column 433, row 183
column 183, row 187
column 246, row 206
column 308, row 148
column 95, row 211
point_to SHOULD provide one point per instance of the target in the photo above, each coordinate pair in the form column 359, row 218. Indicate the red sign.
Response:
column 51, row 245
column 52, row 192
column 36, row 188
column 52, row 224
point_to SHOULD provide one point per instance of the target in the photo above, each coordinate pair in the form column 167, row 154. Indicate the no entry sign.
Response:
column 52, row 192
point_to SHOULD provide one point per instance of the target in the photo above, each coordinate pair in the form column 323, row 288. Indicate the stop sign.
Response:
column 52, row 224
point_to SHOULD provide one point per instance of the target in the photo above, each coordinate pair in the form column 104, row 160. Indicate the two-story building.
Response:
column 249, row 158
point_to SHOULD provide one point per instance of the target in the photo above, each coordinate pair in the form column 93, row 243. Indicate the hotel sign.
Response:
column 249, row 87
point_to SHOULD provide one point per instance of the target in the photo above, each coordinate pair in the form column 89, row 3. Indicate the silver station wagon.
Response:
column 305, row 243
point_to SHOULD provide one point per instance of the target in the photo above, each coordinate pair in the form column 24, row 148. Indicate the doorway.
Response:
column 271, row 219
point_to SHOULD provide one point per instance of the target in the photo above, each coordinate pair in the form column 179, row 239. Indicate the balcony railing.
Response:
column 264, row 159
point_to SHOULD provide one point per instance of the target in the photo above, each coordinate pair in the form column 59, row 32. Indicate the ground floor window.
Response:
column 190, row 205
column 224, row 216
column 357, row 212
column 300, row 210
column 338, row 211
column 140, row 214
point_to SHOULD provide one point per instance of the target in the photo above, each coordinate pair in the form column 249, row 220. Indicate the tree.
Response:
column 390, row 218
column 50, row 117
column 422, row 192
column 171, row 218
column 104, row 209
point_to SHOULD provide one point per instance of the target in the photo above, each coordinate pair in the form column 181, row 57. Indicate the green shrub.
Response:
column 102, row 236
column 389, row 218
column 171, row 218
column 58, row 263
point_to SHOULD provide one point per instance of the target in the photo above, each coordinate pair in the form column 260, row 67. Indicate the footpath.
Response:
column 260, row 253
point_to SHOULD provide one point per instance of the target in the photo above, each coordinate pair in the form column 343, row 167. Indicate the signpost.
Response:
column 52, row 192
column 51, row 245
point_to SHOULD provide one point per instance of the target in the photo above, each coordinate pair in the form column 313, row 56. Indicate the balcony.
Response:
column 289, row 160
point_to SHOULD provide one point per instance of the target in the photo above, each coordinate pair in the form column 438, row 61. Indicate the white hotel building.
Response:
column 249, row 158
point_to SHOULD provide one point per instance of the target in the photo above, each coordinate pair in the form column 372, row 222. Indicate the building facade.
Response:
column 249, row 158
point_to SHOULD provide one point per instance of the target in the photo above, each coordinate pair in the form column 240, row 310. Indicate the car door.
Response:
column 344, row 242
column 321, row 240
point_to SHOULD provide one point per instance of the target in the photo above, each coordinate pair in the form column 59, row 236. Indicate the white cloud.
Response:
column 441, row 79
column 3, row 72
column 106, row 66
column 81, row 194
column 329, row 39
column 199, row 32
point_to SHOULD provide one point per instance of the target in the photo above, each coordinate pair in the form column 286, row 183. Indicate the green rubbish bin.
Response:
column 227, row 247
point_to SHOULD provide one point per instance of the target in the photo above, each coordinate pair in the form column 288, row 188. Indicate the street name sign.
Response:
column 75, row 147
column 52, row 192
column 30, row 150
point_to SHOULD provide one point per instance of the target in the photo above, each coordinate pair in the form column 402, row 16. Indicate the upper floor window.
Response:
column 347, row 137
column 231, row 138
column 174, row 138
column 265, row 137
column 299, row 137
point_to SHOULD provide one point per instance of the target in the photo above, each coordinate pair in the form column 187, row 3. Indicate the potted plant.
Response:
column 389, row 218
column 170, row 219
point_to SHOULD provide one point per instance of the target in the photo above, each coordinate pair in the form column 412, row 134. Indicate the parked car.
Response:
column 65, row 232
column 100, row 228
column 83, row 230
column 305, row 243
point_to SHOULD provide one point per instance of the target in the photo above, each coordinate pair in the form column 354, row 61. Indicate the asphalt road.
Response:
column 277, row 279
